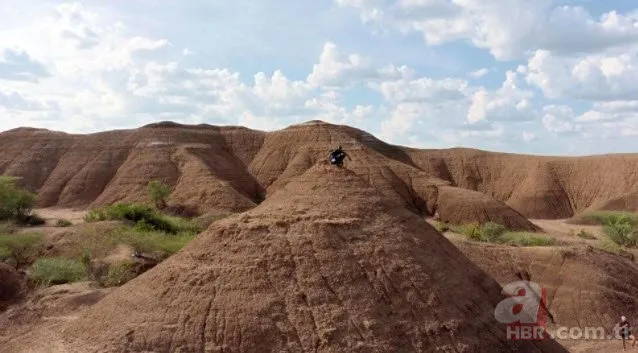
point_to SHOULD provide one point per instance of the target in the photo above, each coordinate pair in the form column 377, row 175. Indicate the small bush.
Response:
column 159, row 193
column 20, row 247
column 15, row 203
column 56, row 270
column 585, row 235
column 63, row 223
column 622, row 234
column 91, row 243
column 492, row 232
column 471, row 231
column 119, row 274
column 442, row 227
column 158, row 244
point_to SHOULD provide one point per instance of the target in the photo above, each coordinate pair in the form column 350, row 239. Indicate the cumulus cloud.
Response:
column 18, row 65
column 11, row 100
column 559, row 119
column 597, row 77
column 479, row 73
column 509, row 103
column 422, row 89
column 78, row 25
column 507, row 28
column 336, row 69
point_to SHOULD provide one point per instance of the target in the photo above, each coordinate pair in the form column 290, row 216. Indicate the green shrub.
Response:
column 56, row 270
column 119, row 274
column 495, row 233
column 20, row 247
column 159, row 193
column 585, row 235
column 159, row 244
column 15, row 203
column 620, row 227
column 62, row 223
column 612, row 217
column 527, row 239
column 623, row 234
column 442, row 227
column 471, row 231
column 146, row 217
column 492, row 232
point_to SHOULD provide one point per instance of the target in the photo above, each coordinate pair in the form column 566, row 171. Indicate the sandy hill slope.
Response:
column 586, row 287
column 325, row 264
column 234, row 168
column 536, row 186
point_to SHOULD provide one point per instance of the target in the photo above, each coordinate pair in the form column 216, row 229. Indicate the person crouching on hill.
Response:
column 337, row 156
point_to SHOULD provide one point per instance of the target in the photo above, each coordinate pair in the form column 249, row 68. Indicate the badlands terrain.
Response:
column 301, row 256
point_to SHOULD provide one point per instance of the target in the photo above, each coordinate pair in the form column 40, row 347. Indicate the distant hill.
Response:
column 233, row 169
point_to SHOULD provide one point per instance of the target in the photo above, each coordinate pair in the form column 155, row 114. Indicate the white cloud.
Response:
column 507, row 103
column 598, row 77
column 528, row 136
column 19, row 66
column 559, row 119
column 147, row 44
column 479, row 73
column 507, row 28
column 78, row 25
column 422, row 89
column 336, row 69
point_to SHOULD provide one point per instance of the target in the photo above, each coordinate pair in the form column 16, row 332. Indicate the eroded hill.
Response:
column 234, row 169
column 325, row 264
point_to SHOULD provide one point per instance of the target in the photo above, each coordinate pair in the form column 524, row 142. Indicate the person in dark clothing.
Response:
column 625, row 332
column 337, row 156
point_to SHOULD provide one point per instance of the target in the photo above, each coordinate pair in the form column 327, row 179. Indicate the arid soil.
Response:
column 326, row 264
column 234, row 169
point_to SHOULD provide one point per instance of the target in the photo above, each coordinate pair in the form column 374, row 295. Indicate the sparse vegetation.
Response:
column 527, row 239
column 612, row 217
column 57, row 270
column 119, row 274
column 62, row 223
column 491, row 232
column 442, row 227
column 20, row 248
column 16, row 203
column 585, row 235
column 144, row 217
column 621, row 228
column 159, row 193
column 157, row 244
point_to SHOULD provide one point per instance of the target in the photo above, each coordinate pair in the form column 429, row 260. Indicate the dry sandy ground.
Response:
column 558, row 228
column 51, row 215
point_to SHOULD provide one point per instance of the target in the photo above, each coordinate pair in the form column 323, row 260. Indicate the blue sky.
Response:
column 540, row 77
